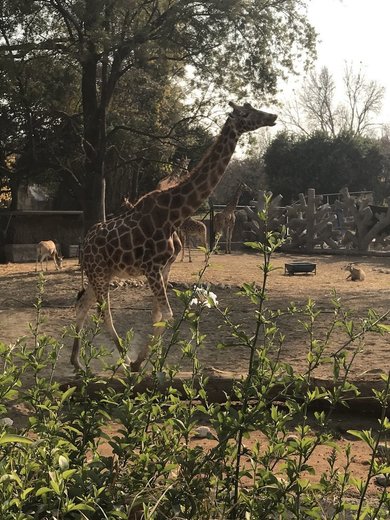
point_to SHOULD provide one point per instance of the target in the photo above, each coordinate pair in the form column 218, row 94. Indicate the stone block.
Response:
column 20, row 252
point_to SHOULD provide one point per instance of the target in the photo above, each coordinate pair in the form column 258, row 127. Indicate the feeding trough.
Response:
column 300, row 267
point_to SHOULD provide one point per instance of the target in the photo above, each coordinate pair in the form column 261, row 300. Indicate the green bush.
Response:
column 152, row 467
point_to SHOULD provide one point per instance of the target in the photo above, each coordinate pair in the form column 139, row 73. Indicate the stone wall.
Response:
column 25, row 230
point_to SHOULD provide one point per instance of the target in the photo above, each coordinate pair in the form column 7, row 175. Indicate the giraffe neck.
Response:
column 231, row 206
column 188, row 196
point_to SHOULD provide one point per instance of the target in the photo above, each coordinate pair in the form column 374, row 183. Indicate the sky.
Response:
column 356, row 32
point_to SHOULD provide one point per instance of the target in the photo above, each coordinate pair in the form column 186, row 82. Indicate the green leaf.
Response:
column 43, row 491
column 160, row 324
column 68, row 473
column 80, row 507
column 26, row 492
column 382, row 327
column 7, row 438
column 363, row 435
column 254, row 245
column 53, row 482
column 68, row 393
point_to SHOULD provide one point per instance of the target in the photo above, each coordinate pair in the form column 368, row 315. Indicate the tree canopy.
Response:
column 294, row 163
column 106, row 68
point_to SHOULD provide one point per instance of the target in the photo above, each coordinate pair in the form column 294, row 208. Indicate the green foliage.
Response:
column 250, row 171
column 295, row 163
column 106, row 447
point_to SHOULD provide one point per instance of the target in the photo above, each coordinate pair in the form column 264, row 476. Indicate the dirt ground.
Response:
column 131, row 308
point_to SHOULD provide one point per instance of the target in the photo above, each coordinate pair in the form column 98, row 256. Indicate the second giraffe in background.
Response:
column 225, row 220
column 192, row 229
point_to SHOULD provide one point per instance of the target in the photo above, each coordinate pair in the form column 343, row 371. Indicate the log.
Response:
column 221, row 384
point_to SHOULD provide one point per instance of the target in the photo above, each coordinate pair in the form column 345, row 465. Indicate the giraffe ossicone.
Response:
column 143, row 239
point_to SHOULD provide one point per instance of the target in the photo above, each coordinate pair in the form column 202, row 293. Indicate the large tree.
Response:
column 318, row 107
column 237, row 46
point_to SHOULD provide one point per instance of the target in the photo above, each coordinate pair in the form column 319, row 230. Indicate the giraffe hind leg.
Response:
column 103, row 299
column 229, row 241
column 180, row 245
column 85, row 300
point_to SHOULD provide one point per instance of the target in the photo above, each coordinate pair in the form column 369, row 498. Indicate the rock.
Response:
column 383, row 452
column 203, row 432
column 382, row 480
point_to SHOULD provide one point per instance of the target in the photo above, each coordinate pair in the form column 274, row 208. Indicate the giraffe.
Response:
column 180, row 170
column 190, row 229
column 143, row 239
column 190, row 226
column 225, row 220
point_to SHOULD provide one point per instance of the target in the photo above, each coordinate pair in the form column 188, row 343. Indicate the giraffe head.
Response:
column 246, row 118
column 182, row 164
column 244, row 188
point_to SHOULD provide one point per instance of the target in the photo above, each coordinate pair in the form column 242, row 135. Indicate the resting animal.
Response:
column 355, row 273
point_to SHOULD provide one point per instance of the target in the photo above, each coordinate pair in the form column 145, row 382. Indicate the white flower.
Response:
column 204, row 298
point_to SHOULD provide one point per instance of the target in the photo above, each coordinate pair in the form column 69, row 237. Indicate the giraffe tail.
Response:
column 80, row 293
column 81, row 262
column 82, row 279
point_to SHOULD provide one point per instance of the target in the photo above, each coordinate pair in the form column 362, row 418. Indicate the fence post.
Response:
column 310, row 217
column 212, row 233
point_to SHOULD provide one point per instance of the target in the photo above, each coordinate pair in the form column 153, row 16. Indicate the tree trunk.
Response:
column 94, row 142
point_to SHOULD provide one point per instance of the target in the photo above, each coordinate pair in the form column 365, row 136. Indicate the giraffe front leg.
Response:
column 229, row 241
column 161, row 310
column 142, row 351
column 204, row 243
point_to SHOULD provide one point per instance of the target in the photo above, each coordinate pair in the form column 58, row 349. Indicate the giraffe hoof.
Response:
column 77, row 366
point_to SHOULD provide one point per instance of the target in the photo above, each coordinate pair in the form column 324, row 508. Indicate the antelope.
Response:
column 46, row 249
column 355, row 273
